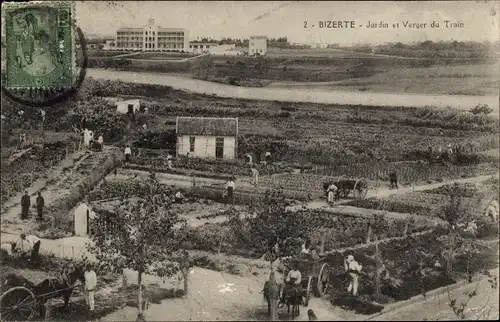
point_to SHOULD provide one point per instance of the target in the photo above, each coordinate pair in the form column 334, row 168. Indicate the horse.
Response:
column 53, row 288
column 270, row 284
column 292, row 297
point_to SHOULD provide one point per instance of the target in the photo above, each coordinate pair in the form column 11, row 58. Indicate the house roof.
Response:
column 213, row 126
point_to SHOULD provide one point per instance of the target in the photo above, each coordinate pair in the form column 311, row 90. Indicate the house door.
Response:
column 219, row 148
column 130, row 109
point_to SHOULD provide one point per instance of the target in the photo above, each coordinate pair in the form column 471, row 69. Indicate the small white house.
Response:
column 128, row 106
column 207, row 137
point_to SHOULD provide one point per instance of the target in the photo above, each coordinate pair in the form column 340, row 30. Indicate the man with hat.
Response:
column 354, row 269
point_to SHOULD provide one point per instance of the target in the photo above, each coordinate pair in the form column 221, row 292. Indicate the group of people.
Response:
column 25, row 245
column 26, row 204
column 288, row 275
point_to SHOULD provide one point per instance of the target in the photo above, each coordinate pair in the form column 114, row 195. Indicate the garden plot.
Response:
column 28, row 167
column 419, row 203
column 61, row 194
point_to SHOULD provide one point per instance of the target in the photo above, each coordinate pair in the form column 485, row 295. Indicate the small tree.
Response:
column 143, row 236
column 204, row 67
column 276, row 231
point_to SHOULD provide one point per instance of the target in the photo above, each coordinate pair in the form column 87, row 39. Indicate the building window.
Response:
column 153, row 33
column 191, row 143
column 261, row 50
column 219, row 148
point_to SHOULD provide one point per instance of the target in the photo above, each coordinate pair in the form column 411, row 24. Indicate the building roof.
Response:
column 212, row 126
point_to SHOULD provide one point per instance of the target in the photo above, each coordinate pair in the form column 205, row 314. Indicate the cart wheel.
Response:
column 17, row 304
column 361, row 189
column 308, row 291
column 323, row 279
column 343, row 193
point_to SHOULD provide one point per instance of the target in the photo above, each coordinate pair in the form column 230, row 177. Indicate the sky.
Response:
column 241, row 19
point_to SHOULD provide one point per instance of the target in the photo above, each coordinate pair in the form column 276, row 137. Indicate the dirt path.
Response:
column 217, row 296
column 59, row 182
column 463, row 102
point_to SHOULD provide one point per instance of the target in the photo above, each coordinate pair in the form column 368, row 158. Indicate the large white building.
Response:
column 207, row 137
column 152, row 38
column 257, row 45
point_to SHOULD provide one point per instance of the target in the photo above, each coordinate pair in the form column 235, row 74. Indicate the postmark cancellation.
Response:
column 39, row 42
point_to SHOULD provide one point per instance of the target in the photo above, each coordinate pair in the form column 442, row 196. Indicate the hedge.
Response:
column 62, row 207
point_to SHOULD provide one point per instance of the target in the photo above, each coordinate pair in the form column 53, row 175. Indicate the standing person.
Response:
column 353, row 268
column 230, row 185
column 393, row 177
column 331, row 192
column 268, row 157
column 128, row 153
column 255, row 176
column 169, row 161
column 40, row 203
column 101, row 142
column 90, row 286
column 25, row 205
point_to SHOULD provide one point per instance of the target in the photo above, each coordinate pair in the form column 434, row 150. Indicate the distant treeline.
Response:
column 429, row 48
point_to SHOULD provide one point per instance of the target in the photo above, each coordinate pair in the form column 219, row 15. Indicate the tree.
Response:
column 460, row 240
column 277, row 231
column 481, row 109
column 143, row 235
column 204, row 67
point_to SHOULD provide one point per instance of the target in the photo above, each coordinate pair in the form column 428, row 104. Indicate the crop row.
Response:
column 419, row 203
column 237, row 168
column 31, row 166
column 341, row 231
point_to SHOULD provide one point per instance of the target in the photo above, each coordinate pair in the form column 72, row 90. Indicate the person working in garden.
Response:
column 331, row 193
column 169, row 161
column 255, row 176
column 393, row 177
column 179, row 197
column 25, row 205
column 353, row 268
column 229, row 190
column 40, row 203
column 90, row 286
column 128, row 153
column 268, row 157
column 100, row 140
column 31, row 244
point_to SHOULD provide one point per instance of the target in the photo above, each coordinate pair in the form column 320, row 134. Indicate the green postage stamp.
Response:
column 39, row 44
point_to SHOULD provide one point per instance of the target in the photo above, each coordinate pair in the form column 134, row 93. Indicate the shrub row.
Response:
column 61, row 208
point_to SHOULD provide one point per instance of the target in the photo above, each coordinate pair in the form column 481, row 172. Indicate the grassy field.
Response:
column 454, row 80
column 335, row 69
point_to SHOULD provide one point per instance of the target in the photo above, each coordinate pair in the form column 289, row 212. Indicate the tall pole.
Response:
column 42, row 112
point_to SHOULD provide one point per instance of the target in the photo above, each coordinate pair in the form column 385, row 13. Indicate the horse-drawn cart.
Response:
column 315, row 276
column 22, row 299
column 346, row 185
column 17, row 304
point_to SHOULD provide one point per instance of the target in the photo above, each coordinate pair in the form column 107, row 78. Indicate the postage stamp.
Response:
column 40, row 45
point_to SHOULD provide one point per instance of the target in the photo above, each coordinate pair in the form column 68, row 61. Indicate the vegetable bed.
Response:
column 419, row 203
column 29, row 167
column 409, row 266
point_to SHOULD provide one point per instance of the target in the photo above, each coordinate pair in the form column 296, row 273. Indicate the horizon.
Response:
column 240, row 20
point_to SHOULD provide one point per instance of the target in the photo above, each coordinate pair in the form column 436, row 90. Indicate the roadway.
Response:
column 464, row 102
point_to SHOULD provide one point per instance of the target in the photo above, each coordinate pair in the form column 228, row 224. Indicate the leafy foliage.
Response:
column 204, row 67
column 143, row 235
